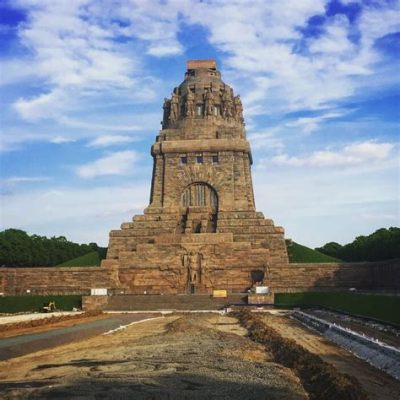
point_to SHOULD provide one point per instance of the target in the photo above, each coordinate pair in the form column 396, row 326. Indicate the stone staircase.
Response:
column 171, row 302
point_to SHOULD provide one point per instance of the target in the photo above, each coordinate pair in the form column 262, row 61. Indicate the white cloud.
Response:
column 74, row 51
column 110, row 140
column 267, row 139
column 350, row 155
column 119, row 163
column 98, row 125
column 276, row 68
column 320, row 205
column 80, row 214
column 163, row 50
column 61, row 140
column 26, row 179
column 311, row 124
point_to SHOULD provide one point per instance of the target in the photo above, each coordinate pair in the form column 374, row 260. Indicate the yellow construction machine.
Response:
column 49, row 307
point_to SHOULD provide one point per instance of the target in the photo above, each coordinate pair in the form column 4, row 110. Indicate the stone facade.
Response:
column 56, row 280
column 376, row 276
column 201, row 230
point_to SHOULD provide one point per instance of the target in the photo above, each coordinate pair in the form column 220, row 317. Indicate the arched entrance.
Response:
column 199, row 202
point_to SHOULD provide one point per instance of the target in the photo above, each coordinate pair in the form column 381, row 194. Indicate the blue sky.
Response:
column 82, row 86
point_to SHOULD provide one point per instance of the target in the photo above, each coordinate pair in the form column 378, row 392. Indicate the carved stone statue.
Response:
column 209, row 103
column 189, row 105
column 227, row 106
column 238, row 108
column 185, row 261
column 194, row 267
column 167, row 110
column 174, row 114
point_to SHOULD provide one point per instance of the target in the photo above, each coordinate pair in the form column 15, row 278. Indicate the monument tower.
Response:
column 201, row 230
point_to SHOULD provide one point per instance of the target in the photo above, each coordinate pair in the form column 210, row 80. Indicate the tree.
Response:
column 383, row 244
column 18, row 249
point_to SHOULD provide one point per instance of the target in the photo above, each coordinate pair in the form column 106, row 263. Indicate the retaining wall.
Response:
column 287, row 278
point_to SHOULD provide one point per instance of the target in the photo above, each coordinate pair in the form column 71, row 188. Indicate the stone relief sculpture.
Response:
column 167, row 110
column 189, row 105
column 174, row 114
column 209, row 103
column 227, row 105
column 238, row 108
column 193, row 264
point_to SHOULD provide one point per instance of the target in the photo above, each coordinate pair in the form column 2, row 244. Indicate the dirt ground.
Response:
column 195, row 356
column 54, row 321
column 377, row 384
column 9, row 318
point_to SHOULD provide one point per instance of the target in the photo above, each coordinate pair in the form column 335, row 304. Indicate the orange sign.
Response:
column 220, row 293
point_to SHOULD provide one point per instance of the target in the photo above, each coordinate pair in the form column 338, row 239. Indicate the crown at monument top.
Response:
column 200, row 64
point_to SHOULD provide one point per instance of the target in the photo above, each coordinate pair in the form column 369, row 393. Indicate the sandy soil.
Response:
column 54, row 321
column 10, row 319
column 202, row 356
column 377, row 384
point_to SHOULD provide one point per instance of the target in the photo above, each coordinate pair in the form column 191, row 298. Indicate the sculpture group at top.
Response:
column 210, row 104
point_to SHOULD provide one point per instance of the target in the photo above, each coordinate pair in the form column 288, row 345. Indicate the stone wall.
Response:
column 285, row 278
column 74, row 280
column 383, row 275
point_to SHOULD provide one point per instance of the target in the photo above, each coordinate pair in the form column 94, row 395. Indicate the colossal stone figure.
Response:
column 167, row 110
column 209, row 103
column 238, row 108
column 174, row 107
column 189, row 106
column 227, row 104
column 194, row 268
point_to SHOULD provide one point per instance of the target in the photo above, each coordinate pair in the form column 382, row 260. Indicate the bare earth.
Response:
column 377, row 384
column 201, row 356
column 10, row 319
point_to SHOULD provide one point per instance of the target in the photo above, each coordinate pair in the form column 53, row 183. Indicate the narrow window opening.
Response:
column 215, row 159
column 183, row 160
column 199, row 159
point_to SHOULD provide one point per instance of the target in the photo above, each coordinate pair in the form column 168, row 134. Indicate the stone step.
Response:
column 172, row 302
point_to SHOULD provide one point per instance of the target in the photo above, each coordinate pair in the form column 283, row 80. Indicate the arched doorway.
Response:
column 200, row 202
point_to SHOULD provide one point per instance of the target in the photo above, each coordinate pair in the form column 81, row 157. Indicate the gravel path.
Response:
column 176, row 357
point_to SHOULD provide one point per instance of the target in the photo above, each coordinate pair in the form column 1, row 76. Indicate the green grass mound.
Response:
column 91, row 259
column 15, row 304
column 380, row 307
column 302, row 254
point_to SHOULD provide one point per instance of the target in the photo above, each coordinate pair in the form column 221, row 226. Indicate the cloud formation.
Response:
column 110, row 140
column 350, row 155
column 118, row 163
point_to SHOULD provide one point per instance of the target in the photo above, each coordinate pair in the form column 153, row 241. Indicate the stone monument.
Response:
column 201, row 230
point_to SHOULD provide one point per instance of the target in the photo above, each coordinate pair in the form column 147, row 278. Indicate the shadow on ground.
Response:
column 167, row 387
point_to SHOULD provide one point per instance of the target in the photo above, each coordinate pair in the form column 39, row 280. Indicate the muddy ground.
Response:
column 174, row 357
column 191, row 356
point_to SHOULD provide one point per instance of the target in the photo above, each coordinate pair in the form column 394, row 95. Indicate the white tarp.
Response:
column 98, row 292
column 262, row 289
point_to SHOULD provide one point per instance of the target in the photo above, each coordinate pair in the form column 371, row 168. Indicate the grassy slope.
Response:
column 14, row 304
column 297, row 254
column 303, row 254
column 384, row 308
column 90, row 259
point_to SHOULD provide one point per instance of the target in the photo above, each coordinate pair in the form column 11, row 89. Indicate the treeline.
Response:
column 383, row 244
column 18, row 249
